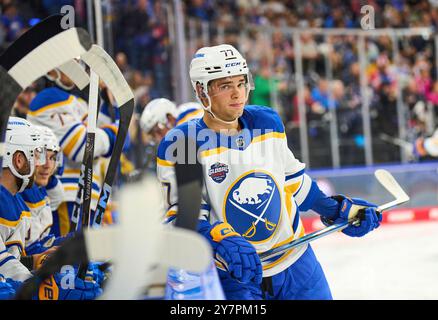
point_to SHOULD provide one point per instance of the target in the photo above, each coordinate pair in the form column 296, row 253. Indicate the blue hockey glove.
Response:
column 46, row 243
column 234, row 252
column 66, row 286
column 349, row 208
column 7, row 290
column 98, row 272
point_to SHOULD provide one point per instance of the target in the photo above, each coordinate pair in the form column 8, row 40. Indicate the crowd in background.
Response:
column 143, row 50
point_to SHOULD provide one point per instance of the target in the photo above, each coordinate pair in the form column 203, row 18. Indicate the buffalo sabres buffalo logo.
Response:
column 218, row 172
column 253, row 206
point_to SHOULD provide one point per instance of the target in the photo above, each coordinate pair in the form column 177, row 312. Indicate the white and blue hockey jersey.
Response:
column 66, row 115
column 14, row 227
column 251, row 181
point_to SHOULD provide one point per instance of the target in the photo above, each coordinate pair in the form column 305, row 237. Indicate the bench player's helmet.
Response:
column 22, row 136
column 155, row 113
column 210, row 63
column 50, row 142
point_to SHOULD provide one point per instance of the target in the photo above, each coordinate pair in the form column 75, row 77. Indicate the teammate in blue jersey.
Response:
column 254, row 187
column 23, row 151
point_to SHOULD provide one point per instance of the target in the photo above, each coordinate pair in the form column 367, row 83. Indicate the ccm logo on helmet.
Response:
column 232, row 64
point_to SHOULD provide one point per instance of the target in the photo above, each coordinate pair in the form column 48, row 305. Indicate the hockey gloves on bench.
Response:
column 233, row 252
column 349, row 208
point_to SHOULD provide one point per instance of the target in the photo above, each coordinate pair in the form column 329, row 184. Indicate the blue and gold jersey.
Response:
column 41, row 219
column 251, row 181
column 14, row 228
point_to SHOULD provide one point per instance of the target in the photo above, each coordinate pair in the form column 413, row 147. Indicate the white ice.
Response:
column 392, row 262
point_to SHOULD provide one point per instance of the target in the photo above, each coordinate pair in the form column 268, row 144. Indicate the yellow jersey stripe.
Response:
column 35, row 205
column 170, row 213
column 64, row 219
column 51, row 106
column 189, row 116
column 10, row 223
column 94, row 194
column 73, row 141
column 263, row 137
column 270, row 135
column 165, row 163
column 214, row 151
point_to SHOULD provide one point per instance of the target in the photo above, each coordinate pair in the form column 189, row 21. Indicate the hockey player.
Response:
column 65, row 114
column 161, row 115
column 424, row 147
column 46, row 194
column 254, row 187
column 23, row 152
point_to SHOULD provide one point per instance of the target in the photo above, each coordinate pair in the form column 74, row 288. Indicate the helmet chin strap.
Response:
column 208, row 109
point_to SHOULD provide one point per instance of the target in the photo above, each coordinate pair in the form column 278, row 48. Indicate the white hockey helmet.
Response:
column 155, row 112
column 22, row 136
column 210, row 63
column 50, row 142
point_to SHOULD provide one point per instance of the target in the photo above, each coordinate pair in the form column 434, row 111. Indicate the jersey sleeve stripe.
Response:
column 51, row 106
column 165, row 163
column 303, row 192
column 61, row 142
column 79, row 149
column 73, row 141
column 295, row 175
column 18, row 244
column 8, row 258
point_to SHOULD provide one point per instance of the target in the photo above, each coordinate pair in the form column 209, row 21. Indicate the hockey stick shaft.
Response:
column 387, row 181
column 107, row 69
column 86, row 174
column 87, row 163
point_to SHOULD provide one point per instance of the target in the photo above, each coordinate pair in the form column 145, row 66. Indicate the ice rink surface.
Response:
column 392, row 262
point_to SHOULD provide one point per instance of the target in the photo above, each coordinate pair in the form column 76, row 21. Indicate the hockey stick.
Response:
column 87, row 163
column 103, row 66
column 138, row 237
column 385, row 179
column 86, row 174
column 106, row 68
column 76, row 73
column 42, row 48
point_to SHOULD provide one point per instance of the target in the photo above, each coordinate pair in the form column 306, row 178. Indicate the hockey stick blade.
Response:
column 39, row 50
column 390, row 184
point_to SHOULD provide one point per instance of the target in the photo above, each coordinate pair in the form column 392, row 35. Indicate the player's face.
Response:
column 228, row 97
column 158, row 132
column 43, row 172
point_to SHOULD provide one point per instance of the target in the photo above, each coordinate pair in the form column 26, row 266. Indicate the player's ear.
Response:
column 201, row 94
column 19, row 161
column 171, row 119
